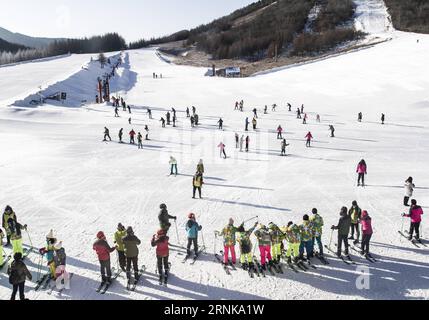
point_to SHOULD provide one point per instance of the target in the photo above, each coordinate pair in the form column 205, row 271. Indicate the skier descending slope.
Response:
column 229, row 241
column 309, row 136
column 164, row 218
column 192, row 229
column 415, row 214
column 160, row 241
column 343, row 228
column 361, row 170
column 131, row 243
column 246, row 256
column 409, row 189
column 103, row 250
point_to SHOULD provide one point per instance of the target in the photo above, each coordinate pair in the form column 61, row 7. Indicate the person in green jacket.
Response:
column 306, row 238
column 293, row 237
column 7, row 214
column 119, row 235
column 276, row 242
column 264, row 242
column 317, row 221
column 131, row 253
column 355, row 214
column 229, row 241
column 246, row 253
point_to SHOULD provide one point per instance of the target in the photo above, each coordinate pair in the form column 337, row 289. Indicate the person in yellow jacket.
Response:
column 49, row 250
column 276, row 242
column 197, row 183
column 229, row 241
column 16, row 235
column 8, row 214
column 293, row 238
column 119, row 235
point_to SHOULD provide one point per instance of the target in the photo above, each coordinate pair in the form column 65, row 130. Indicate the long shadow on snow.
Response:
column 247, row 204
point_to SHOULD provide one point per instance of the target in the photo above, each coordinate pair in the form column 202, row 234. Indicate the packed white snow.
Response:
column 58, row 174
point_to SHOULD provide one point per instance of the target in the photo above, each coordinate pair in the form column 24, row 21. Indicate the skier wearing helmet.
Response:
column 160, row 241
column 192, row 228
column 103, row 251
column 164, row 218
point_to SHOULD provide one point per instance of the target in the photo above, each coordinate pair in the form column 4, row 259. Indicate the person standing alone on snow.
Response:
column 284, row 145
column 332, row 129
column 106, row 134
column 415, row 214
column 192, row 229
column 120, row 134
column 360, row 116
column 279, row 132
column 173, row 165
column 164, row 218
column 409, row 189
column 237, row 140
column 222, row 149
column 309, row 136
column 220, row 122
column 132, row 134
column 197, row 183
column 361, row 170
column 247, row 124
column 383, row 117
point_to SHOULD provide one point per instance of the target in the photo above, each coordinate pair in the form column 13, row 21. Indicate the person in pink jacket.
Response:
column 416, row 218
column 361, row 171
column 366, row 223
column 279, row 132
column 222, row 149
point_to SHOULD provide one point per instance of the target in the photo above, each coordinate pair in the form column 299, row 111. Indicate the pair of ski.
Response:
column 413, row 241
column 163, row 279
column 5, row 261
column 132, row 282
column 321, row 258
column 229, row 262
column 104, row 285
column 43, row 282
column 195, row 258
column 224, row 265
column 60, row 291
column 346, row 259
column 367, row 256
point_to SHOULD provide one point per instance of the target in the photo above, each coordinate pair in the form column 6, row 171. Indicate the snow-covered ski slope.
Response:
column 56, row 173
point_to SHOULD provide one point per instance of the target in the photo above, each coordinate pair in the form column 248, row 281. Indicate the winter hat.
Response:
column 306, row 217
column 354, row 203
column 343, row 211
column 8, row 209
column 58, row 246
column 17, row 256
column 121, row 227
column 100, row 235
column 130, row 230
column 364, row 214
column 50, row 235
column 314, row 211
column 231, row 221
column 414, row 202
column 290, row 223
column 163, row 206
column 191, row 216
column 161, row 232
column 240, row 228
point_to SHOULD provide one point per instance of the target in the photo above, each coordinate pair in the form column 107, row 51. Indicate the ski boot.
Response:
column 244, row 266
column 161, row 280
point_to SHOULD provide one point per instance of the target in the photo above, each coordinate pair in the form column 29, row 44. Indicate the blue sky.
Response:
column 134, row 19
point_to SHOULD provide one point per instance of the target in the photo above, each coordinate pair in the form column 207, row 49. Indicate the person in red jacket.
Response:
column 103, row 251
column 416, row 218
column 160, row 241
column 309, row 136
column 132, row 134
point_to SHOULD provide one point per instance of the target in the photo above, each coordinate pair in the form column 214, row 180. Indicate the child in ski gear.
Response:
column 160, row 241
column 8, row 214
column 132, row 134
column 18, row 273
column 317, row 223
column 383, row 117
column 120, row 248
column 140, row 140
column 366, row 222
column 361, row 171
column 220, row 122
column 146, row 128
column 254, row 123
column 197, row 183
column 360, row 116
column 229, row 241
column 162, row 122
column 173, row 165
column 309, row 136
column 332, row 129
column 192, row 229
column 246, row 255
column 279, row 132
column 284, row 145
column 120, row 134
column 355, row 214
column 264, row 242
column 103, row 250
column 131, row 253
column 61, row 274
column 222, row 149
column 293, row 238
column 164, row 218
column 106, row 134
column 16, row 235
column 306, row 238
column 409, row 189
column 343, row 228
column 247, row 143
column 276, row 242
column 415, row 214
column 49, row 251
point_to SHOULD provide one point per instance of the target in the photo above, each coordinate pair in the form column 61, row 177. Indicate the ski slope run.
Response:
column 57, row 174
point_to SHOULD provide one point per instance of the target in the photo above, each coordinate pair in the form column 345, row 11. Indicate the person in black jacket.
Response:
column 18, row 273
column 164, row 218
column 343, row 228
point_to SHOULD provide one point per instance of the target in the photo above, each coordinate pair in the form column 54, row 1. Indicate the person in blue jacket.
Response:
column 192, row 228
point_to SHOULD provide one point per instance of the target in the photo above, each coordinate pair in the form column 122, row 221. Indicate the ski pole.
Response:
column 39, row 267
column 177, row 232
column 29, row 238
column 214, row 245
column 330, row 239
column 402, row 226
column 202, row 238
column 256, row 217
